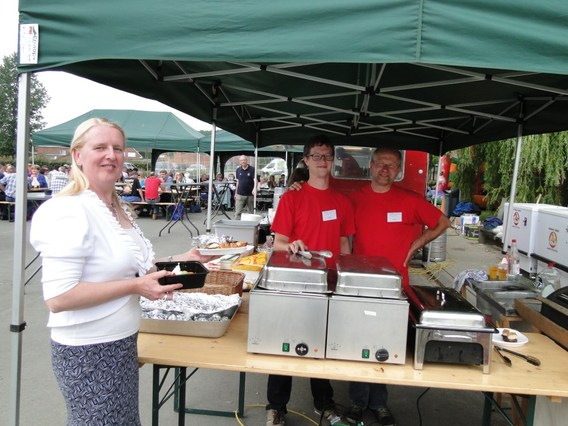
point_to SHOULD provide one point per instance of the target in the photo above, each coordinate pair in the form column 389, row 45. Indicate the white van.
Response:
column 275, row 167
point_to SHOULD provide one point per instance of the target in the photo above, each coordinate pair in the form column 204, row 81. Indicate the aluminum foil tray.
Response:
column 370, row 276
column 190, row 314
column 286, row 272
column 445, row 308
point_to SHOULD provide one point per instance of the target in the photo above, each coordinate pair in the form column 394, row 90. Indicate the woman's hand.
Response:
column 149, row 287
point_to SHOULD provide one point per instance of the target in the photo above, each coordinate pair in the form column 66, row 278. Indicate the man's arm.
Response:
column 345, row 247
column 427, row 236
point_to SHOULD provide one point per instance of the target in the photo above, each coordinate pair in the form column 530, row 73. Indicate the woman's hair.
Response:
column 300, row 174
column 78, row 182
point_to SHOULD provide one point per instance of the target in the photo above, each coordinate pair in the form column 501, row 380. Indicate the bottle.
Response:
column 514, row 262
column 269, row 243
column 548, row 280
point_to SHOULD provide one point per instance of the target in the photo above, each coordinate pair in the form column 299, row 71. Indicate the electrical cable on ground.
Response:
column 418, row 406
column 238, row 419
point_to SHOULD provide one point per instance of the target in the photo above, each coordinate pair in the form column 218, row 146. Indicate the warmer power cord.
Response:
column 309, row 419
column 418, row 406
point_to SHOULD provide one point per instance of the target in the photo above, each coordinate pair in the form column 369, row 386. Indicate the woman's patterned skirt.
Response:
column 99, row 382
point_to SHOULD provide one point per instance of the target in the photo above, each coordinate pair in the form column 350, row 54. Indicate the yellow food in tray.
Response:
column 254, row 262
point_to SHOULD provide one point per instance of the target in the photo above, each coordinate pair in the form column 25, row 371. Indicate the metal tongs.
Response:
column 308, row 254
column 530, row 359
column 504, row 358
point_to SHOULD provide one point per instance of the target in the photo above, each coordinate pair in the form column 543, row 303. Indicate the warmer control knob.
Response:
column 382, row 355
column 302, row 349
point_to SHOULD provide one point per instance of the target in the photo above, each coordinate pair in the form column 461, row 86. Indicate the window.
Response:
column 352, row 162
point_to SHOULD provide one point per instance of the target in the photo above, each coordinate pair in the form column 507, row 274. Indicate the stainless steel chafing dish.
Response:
column 448, row 328
column 288, row 272
column 371, row 276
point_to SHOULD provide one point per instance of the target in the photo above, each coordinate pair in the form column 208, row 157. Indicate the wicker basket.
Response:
column 221, row 282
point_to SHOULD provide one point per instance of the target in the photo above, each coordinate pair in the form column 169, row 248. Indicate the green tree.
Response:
column 9, row 104
column 542, row 169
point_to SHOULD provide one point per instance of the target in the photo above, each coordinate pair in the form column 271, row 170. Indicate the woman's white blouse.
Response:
column 80, row 241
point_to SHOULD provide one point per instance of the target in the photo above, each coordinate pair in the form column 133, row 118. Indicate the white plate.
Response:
column 222, row 251
column 521, row 339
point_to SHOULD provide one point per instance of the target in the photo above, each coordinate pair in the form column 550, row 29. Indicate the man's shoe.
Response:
column 330, row 414
column 355, row 414
column 274, row 417
column 384, row 416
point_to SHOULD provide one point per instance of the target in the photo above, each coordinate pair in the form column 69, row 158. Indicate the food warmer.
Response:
column 368, row 312
column 288, row 307
column 448, row 328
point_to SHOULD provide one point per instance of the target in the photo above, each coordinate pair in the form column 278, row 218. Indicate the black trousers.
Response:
column 280, row 388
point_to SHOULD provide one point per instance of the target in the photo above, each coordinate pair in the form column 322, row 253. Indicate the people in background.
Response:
column 179, row 177
column 232, row 188
column 282, row 181
column 142, row 177
column 132, row 191
column 95, row 264
column 263, row 183
column 8, row 186
column 222, row 191
column 244, row 193
column 167, row 180
column 349, row 165
column 272, row 182
column 36, row 180
column 59, row 179
column 153, row 187
column 316, row 218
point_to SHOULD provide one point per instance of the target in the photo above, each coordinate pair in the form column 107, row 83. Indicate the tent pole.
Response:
column 17, row 324
column 513, row 185
column 257, row 137
column 440, row 153
column 211, row 161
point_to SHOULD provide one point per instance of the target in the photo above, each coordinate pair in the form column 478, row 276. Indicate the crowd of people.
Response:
column 39, row 178
column 97, row 262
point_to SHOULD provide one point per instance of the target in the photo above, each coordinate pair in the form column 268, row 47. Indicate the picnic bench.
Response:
column 7, row 206
column 162, row 205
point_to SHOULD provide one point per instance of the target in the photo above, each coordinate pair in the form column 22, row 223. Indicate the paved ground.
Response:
column 41, row 402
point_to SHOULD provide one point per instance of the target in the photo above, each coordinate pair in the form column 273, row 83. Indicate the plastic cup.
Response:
column 502, row 273
column 492, row 272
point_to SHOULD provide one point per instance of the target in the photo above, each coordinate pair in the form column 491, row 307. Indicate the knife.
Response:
column 505, row 359
column 530, row 359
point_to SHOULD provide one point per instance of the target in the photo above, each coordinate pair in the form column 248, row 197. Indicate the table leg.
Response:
column 181, row 395
column 155, row 395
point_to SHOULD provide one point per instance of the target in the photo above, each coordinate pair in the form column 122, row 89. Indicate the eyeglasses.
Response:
column 389, row 166
column 318, row 157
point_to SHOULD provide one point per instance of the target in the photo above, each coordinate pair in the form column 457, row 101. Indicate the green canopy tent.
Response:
column 145, row 130
column 430, row 75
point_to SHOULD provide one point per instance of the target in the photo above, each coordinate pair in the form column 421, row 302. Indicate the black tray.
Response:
column 194, row 280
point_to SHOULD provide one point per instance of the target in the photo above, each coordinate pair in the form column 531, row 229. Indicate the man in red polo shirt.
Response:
column 152, row 187
column 390, row 223
column 317, row 218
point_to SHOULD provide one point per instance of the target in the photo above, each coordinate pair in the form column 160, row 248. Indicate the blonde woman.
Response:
column 96, row 264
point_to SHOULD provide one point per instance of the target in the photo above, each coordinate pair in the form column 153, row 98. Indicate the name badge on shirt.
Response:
column 329, row 215
column 394, row 217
